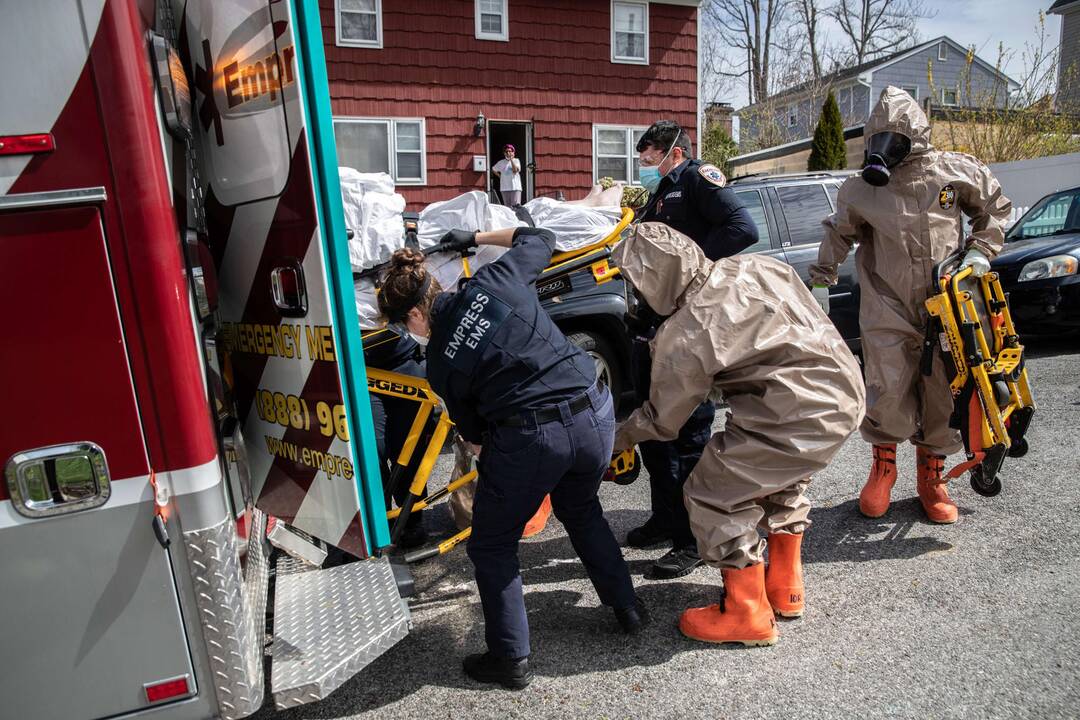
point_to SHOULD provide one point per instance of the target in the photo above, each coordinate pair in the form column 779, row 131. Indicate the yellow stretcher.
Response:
column 970, row 320
column 431, row 426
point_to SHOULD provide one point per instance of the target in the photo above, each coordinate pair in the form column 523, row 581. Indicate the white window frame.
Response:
column 955, row 92
column 631, row 150
column 909, row 88
column 504, row 36
column 793, row 115
column 347, row 42
column 644, row 4
column 392, row 149
column 943, row 51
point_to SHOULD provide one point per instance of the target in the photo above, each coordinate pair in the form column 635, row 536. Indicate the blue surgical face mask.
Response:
column 649, row 176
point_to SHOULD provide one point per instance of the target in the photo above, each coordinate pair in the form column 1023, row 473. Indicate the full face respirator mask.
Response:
column 884, row 151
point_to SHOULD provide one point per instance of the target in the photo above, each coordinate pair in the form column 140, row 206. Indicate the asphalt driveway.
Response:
column 904, row 619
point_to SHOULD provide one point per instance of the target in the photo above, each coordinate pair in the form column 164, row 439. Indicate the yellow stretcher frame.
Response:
column 988, row 382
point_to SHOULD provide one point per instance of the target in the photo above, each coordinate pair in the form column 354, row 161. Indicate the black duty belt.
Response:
column 547, row 414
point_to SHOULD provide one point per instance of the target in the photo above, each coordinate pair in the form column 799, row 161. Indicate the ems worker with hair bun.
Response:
column 512, row 382
column 691, row 197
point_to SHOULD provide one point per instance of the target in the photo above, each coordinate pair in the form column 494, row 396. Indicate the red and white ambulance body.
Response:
column 186, row 354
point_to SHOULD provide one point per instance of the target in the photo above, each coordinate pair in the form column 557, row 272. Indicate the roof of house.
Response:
column 1060, row 5
column 871, row 66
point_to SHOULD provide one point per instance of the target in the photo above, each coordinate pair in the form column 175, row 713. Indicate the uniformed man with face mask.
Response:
column 906, row 210
column 689, row 196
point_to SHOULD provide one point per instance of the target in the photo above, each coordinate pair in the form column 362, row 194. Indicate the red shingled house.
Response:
column 431, row 90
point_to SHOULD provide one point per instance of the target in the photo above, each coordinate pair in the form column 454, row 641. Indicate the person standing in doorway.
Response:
column 509, row 171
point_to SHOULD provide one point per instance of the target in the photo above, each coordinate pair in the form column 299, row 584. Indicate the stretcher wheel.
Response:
column 1019, row 448
column 979, row 484
column 1001, row 392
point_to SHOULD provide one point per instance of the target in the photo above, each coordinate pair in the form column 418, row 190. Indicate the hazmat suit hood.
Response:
column 663, row 265
column 898, row 112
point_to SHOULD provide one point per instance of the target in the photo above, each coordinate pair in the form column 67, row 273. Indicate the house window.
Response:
column 492, row 20
column 614, row 153
column 390, row 145
column 942, row 51
column 948, row 97
column 359, row 23
column 793, row 116
column 630, row 32
column 912, row 90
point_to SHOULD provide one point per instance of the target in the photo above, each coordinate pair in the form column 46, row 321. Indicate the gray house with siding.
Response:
column 794, row 112
column 1068, row 96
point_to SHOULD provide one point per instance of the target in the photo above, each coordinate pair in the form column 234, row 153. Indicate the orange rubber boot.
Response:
column 539, row 520
column 874, row 498
column 931, row 487
column 783, row 575
column 743, row 616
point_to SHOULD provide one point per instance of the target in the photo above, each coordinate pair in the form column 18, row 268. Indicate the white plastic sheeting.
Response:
column 374, row 212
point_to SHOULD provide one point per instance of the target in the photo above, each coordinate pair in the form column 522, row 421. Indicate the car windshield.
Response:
column 1053, row 215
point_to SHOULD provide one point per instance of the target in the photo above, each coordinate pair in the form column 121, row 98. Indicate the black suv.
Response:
column 788, row 210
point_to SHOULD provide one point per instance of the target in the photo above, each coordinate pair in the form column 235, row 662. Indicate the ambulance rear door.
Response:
column 289, row 326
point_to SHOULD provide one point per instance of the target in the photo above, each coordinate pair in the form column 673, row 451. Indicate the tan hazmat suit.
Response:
column 747, row 328
column 904, row 230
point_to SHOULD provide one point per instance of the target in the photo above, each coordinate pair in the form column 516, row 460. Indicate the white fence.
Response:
column 1025, row 182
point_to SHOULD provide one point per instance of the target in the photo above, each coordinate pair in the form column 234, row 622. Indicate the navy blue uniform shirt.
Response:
column 689, row 200
column 494, row 351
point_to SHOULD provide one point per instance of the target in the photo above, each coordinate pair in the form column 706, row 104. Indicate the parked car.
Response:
column 1039, row 266
column 788, row 210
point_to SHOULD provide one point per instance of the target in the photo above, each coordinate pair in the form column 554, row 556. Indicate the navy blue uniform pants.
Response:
column 565, row 458
column 670, row 463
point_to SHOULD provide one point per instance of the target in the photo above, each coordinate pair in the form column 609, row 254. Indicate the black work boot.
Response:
column 676, row 563
column 633, row 619
column 414, row 535
column 649, row 534
column 512, row 674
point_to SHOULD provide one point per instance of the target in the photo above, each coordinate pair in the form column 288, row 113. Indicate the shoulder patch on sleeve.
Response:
column 713, row 175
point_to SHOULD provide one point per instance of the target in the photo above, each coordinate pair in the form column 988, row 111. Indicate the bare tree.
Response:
column 873, row 27
column 999, row 121
column 749, row 27
column 808, row 15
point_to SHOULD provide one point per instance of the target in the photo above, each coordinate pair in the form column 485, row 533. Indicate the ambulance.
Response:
column 186, row 364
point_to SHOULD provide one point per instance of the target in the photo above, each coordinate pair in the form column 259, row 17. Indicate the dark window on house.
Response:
column 804, row 206
column 630, row 32
column 614, row 152
column 359, row 23
column 491, row 20
column 942, row 51
column 751, row 200
column 391, row 145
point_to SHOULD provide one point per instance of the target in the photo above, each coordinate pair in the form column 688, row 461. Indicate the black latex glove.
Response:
column 457, row 241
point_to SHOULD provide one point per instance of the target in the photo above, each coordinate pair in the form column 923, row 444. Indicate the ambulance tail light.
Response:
column 27, row 144
column 167, row 689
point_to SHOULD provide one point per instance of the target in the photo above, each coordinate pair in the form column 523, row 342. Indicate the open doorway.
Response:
column 501, row 133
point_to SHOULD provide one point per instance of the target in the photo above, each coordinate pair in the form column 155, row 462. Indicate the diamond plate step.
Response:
column 329, row 624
